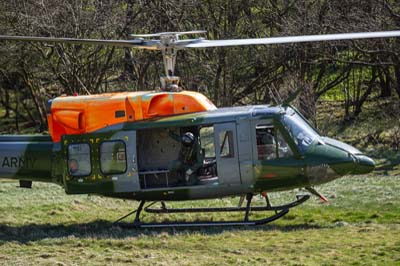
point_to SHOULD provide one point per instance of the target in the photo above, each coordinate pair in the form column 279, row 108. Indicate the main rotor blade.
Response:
column 141, row 44
column 294, row 39
column 201, row 43
column 168, row 33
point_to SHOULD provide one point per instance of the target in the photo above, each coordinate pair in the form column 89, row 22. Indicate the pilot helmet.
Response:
column 188, row 139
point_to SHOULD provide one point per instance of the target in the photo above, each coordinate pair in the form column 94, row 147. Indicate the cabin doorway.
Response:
column 177, row 157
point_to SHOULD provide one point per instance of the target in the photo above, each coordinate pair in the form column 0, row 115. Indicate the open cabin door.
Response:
column 227, row 153
column 101, row 163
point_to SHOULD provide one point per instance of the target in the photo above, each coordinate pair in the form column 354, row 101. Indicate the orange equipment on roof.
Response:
column 85, row 114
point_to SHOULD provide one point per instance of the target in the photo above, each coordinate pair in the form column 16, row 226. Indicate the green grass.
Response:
column 360, row 226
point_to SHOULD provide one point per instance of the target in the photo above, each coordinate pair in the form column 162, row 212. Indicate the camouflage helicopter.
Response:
column 175, row 145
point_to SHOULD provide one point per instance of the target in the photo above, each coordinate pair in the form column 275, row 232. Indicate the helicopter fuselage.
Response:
column 223, row 152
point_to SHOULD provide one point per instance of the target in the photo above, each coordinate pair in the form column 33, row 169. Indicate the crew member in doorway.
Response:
column 190, row 157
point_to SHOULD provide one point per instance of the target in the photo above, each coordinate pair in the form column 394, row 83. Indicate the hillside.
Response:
column 375, row 131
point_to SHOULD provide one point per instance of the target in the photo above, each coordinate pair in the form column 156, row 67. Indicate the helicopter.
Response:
column 176, row 145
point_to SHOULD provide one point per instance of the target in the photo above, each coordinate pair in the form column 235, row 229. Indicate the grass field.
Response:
column 360, row 226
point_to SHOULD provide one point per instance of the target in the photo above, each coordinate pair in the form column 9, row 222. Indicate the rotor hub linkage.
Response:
column 169, row 82
column 169, row 44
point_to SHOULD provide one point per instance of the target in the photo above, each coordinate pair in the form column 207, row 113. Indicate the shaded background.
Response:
column 348, row 74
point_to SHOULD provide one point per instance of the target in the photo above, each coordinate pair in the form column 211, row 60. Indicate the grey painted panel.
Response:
column 157, row 148
column 227, row 166
column 212, row 192
column 129, row 181
column 245, row 151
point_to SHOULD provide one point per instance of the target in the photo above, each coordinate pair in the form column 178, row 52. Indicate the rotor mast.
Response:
column 169, row 44
column 169, row 52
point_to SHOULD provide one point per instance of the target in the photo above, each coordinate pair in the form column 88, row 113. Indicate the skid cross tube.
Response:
column 249, row 197
column 137, row 222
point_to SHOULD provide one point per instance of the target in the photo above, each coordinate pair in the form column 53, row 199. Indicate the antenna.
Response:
column 275, row 95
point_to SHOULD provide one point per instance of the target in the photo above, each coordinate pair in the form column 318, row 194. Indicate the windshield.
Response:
column 301, row 132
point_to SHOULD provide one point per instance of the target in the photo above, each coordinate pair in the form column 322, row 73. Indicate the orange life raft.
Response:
column 85, row 114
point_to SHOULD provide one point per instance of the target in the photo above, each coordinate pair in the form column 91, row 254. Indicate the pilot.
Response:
column 265, row 144
column 268, row 138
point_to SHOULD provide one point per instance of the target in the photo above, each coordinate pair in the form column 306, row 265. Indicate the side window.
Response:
column 79, row 159
column 207, row 141
column 113, row 157
column 271, row 144
column 226, row 144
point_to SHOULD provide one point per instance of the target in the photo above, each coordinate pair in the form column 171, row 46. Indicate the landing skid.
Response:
column 280, row 211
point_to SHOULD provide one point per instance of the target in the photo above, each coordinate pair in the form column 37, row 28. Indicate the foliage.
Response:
column 31, row 73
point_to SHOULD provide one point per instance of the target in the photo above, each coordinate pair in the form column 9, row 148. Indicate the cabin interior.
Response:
column 173, row 157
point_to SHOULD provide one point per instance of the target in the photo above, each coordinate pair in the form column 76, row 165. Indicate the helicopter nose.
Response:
column 363, row 165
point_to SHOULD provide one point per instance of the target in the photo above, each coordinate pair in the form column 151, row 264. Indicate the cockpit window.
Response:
column 271, row 144
column 301, row 132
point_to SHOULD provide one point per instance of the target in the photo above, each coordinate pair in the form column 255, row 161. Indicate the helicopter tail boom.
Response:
column 26, row 158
